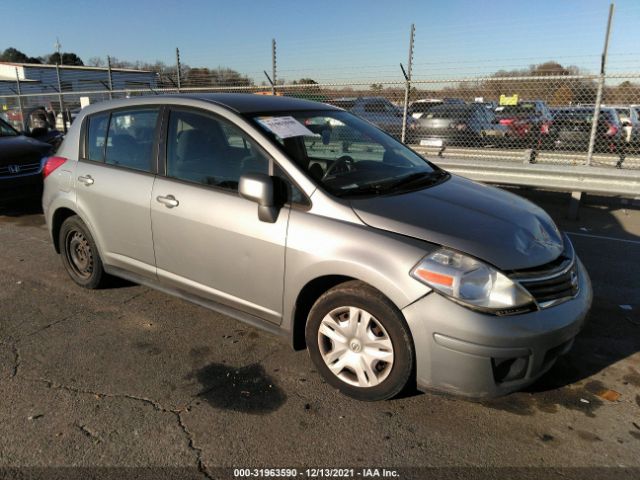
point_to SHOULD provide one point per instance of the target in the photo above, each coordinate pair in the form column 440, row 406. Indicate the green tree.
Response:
column 16, row 56
column 67, row 58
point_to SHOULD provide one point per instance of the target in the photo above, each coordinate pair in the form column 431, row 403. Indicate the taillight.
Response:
column 612, row 130
column 544, row 129
column 51, row 164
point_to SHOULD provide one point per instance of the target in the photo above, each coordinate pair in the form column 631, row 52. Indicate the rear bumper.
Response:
column 476, row 355
column 434, row 140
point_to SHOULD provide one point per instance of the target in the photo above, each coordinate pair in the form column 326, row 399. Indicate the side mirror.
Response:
column 260, row 188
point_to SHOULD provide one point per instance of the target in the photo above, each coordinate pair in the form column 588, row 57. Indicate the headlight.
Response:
column 471, row 282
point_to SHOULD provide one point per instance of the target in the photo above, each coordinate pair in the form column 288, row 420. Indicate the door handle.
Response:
column 86, row 179
column 169, row 201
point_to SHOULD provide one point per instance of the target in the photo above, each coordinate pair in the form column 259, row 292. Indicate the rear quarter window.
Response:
column 96, row 136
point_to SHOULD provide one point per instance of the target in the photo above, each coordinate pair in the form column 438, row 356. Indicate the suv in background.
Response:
column 471, row 125
column 530, row 124
column 379, row 111
column 573, row 126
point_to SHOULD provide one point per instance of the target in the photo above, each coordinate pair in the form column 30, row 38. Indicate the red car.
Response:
column 530, row 123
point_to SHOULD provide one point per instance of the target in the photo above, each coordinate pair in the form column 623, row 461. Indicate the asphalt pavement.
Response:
column 128, row 377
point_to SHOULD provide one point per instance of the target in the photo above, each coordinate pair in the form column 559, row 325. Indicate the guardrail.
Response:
column 630, row 160
column 574, row 179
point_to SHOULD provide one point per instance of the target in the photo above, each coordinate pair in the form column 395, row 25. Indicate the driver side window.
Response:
column 210, row 151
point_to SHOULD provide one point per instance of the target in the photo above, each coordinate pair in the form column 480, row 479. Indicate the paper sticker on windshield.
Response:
column 285, row 127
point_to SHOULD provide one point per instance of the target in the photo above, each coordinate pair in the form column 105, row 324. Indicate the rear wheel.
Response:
column 79, row 254
column 360, row 342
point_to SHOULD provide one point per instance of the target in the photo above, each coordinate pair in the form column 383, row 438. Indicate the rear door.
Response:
column 114, row 179
column 208, row 240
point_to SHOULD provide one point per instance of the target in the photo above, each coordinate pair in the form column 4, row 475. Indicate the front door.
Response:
column 208, row 240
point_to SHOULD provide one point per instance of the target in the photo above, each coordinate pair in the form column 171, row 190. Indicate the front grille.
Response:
column 24, row 169
column 553, row 282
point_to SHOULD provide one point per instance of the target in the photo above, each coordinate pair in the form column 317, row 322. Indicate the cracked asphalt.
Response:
column 131, row 377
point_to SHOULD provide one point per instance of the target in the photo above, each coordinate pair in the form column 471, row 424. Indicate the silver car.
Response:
column 304, row 220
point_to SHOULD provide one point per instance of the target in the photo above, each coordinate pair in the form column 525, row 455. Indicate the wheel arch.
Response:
column 307, row 296
column 59, row 216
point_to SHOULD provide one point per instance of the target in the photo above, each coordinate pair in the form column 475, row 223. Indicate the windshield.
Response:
column 422, row 107
column 522, row 109
column 582, row 115
column 451, row 111
column 7, row 130
column 345, row 155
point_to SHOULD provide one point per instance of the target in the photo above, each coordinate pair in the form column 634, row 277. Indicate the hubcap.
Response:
column 355, row 346
column 79, row 254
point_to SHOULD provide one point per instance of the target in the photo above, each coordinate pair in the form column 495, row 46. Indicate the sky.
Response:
column 333, row 41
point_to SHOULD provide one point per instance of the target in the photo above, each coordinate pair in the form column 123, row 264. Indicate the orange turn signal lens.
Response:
column 433, row 277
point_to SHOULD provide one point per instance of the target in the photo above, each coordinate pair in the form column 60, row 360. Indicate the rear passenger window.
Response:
column 130, row 138
column 97, row 134
column 210, row 151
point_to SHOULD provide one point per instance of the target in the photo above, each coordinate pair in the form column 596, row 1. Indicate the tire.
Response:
column 355, row 315
column 79, row 254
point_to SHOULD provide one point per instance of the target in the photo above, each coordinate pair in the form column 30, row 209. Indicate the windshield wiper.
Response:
column 410, row 180
column 417, row 178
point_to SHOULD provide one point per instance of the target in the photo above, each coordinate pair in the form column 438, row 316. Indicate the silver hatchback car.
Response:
column 306, row 221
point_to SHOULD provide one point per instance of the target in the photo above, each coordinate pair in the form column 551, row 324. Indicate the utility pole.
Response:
column 178, row 69
column 20, row 100
column 603, row 64
column 407, row 88
column 110, row 77
column 273, row 66
column 60, row 97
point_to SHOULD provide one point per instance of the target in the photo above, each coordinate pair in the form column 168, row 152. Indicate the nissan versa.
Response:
column 304, row 220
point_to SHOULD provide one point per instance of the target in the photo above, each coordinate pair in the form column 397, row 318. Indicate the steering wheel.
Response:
column 345, row 163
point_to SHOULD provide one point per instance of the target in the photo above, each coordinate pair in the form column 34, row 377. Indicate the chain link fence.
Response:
column 545, row 113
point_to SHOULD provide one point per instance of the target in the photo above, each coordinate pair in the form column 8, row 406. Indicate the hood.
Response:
column 485, row 222
column 21, row 150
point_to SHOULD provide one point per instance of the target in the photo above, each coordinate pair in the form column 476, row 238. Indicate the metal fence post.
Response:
column 407, row 87
column 273, row 66
column 603, row 63
column 61, row 99
column 20, row 99
column 110, row 77
column 179, row 75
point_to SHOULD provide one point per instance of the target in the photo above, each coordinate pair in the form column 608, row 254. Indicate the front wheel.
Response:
column 360, row 342
column 79, row 254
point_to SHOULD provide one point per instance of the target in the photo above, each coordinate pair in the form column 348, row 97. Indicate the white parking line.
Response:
column 603, row 237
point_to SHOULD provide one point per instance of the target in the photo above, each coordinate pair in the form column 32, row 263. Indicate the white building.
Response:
column 36, row 78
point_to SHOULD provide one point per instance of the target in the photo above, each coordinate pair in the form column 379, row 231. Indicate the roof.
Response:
column 242, row 103
column 250, row 103
column 75, row 67
column 5, row 78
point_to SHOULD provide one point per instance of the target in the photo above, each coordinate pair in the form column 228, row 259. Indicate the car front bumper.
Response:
column 21, row 186
column 476, row 355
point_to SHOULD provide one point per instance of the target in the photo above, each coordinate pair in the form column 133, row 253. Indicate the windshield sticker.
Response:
column 285, row 127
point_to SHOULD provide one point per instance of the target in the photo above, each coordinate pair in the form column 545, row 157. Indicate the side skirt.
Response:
column 209, row 304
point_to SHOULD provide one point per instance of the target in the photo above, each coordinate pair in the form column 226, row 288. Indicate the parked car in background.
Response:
column 574, row 129
column 530, row 123
column 388, row 269
column 377, row 110
column 21, row 164
column 470, row 125
column 630, row 124
column 40, row 124
column 419, row 107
